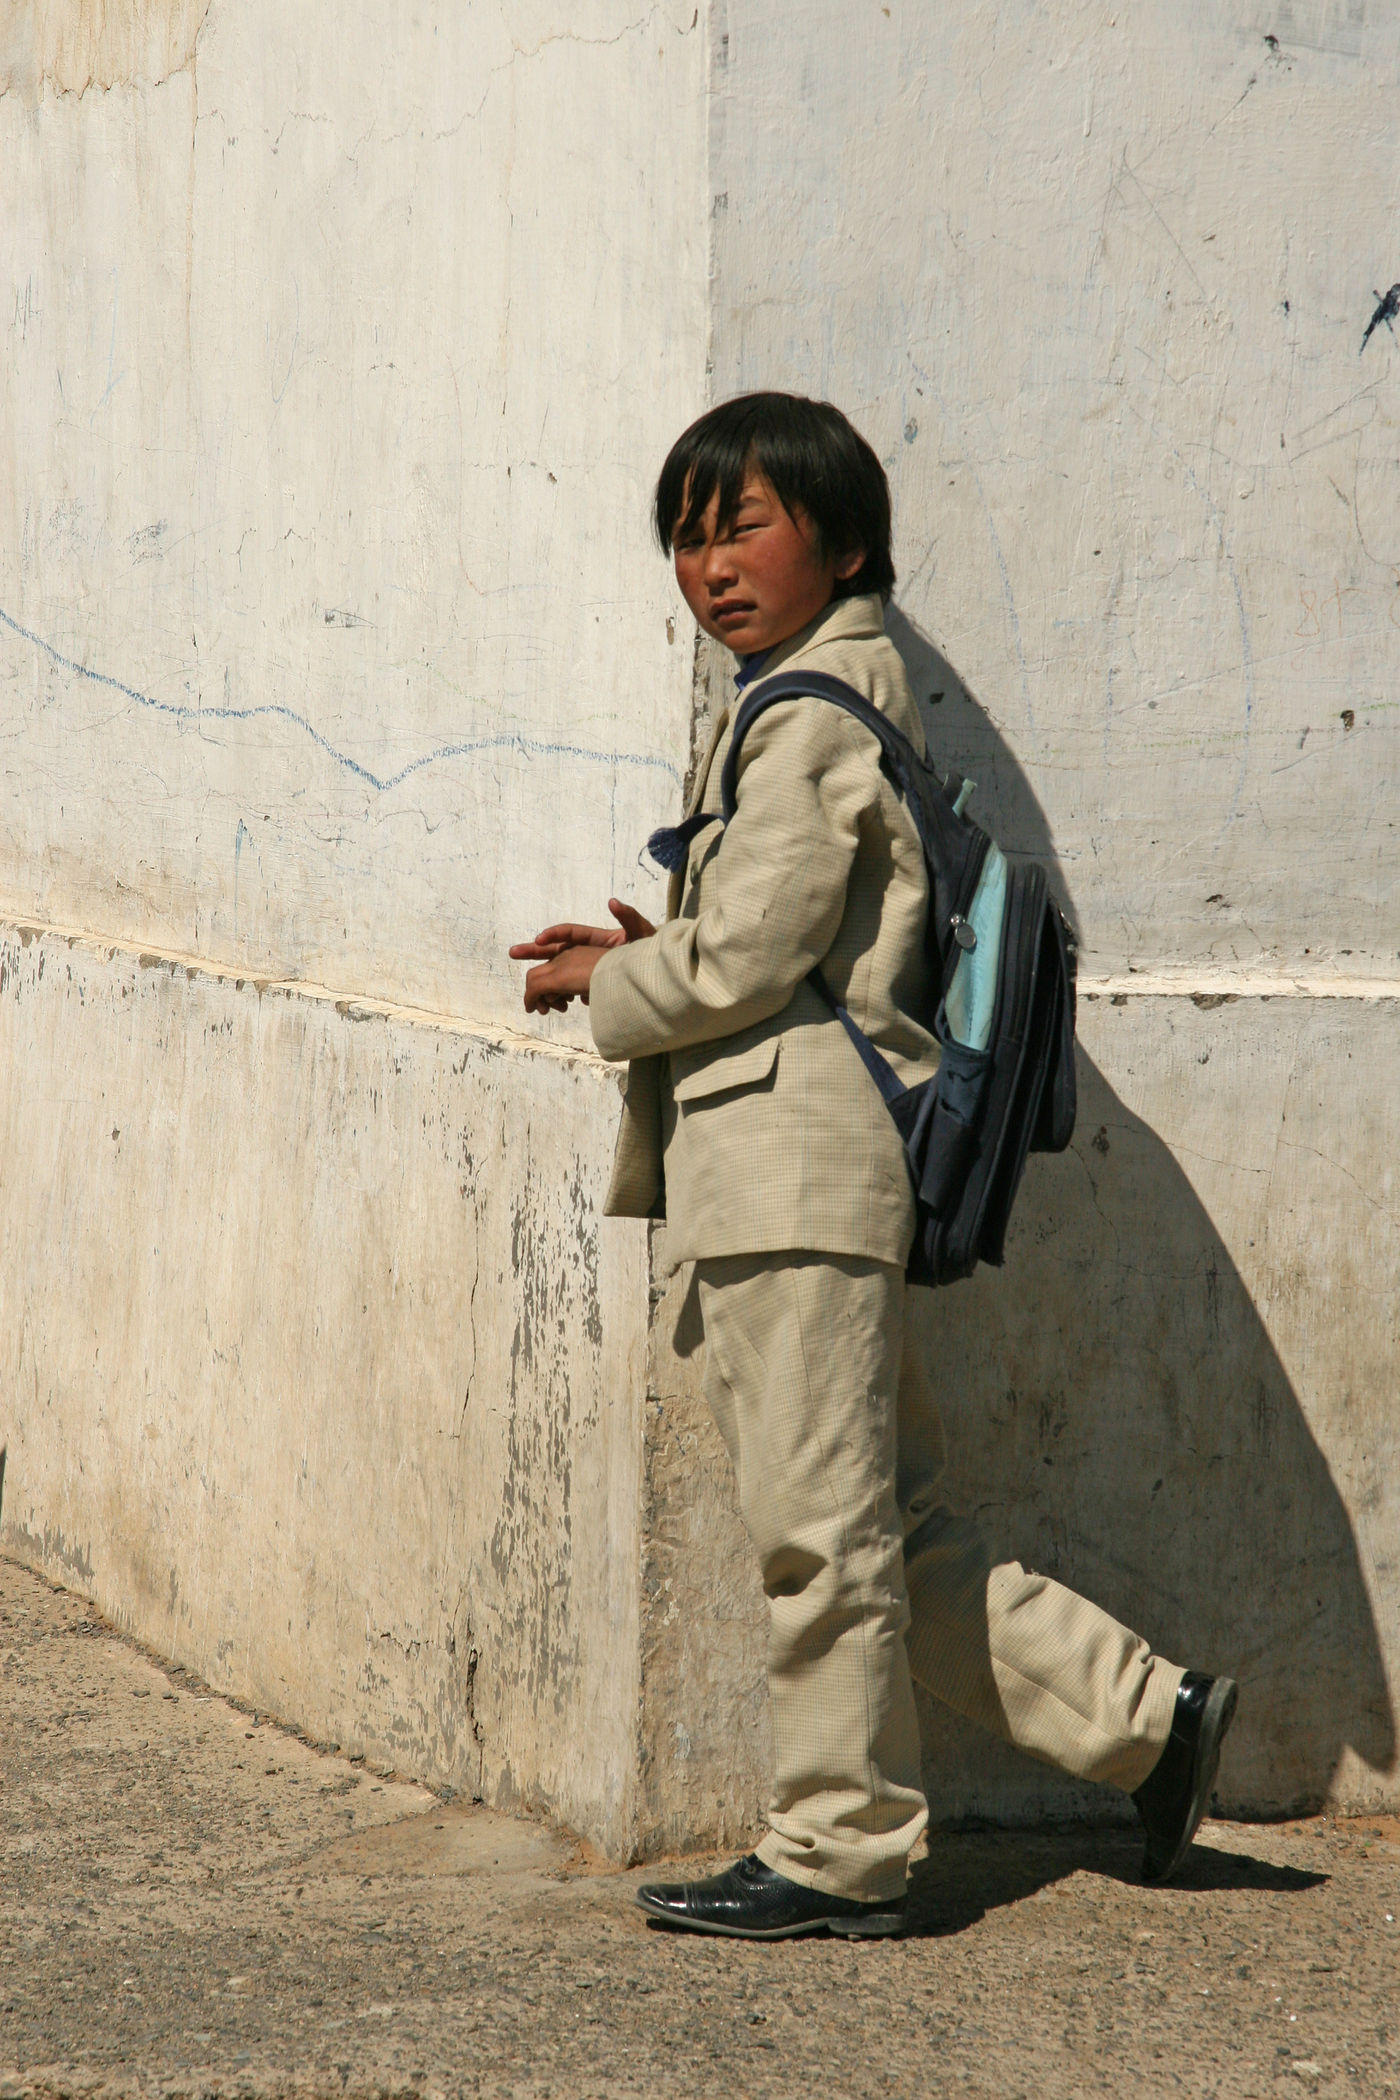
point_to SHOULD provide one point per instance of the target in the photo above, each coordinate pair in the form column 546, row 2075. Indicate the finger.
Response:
column 634, row 926
column 572, row 935
column 543, row 995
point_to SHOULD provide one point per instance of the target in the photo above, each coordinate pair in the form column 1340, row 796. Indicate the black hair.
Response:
column 814, row 461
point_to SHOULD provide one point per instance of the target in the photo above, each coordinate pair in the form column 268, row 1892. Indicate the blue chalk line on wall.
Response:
column 531, row 747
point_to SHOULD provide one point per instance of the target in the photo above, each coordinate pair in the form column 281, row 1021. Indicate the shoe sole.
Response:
column 880, row 1925
column 1221, row 1701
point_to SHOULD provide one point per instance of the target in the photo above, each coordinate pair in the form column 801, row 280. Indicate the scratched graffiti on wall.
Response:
column 530, row 747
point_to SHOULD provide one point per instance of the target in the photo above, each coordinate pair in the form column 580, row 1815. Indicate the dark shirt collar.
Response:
column 749, row 667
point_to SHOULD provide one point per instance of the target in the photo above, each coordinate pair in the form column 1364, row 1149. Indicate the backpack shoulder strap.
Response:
column 892, row 1087
column 669, row 846
column 897, row 754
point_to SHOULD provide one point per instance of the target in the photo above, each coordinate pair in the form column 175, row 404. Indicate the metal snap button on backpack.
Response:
column 963, row 934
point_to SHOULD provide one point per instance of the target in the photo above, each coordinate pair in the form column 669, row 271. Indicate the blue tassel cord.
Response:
column 669, row 846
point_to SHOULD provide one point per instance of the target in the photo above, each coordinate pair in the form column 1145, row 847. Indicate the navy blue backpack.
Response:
column 1002, row 959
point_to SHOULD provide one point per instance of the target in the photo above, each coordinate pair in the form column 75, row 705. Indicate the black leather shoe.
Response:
column 1176, row 1792
column 751, row 1902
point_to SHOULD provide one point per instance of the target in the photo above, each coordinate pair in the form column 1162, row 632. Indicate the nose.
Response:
column 719, row 570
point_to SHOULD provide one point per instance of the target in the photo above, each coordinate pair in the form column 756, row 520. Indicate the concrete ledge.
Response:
column 317, row 1372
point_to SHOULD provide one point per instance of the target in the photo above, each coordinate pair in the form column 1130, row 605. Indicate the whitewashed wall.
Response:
column 319, row 1373
column 1096, row 282
column 337, row 363
column 340, row 346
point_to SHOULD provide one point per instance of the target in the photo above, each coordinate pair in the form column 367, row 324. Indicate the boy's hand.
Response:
column 568, row 954
column 631, row 926
column 551, row 985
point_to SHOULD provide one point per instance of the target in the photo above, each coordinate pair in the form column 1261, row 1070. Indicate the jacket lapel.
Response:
column 675, row 887
column 847, row 617
column 702, row 771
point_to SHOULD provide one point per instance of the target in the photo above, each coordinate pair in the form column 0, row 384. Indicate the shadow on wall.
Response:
column 961, row 733
column 1118, row 1418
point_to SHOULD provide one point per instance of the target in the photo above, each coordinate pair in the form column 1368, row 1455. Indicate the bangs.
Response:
column 710, row 455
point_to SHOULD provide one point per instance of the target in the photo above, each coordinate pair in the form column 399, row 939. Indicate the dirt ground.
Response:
column 195, row 1901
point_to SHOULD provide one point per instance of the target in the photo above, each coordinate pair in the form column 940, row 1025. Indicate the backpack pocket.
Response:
column 970, row 1002
column 938, row 1122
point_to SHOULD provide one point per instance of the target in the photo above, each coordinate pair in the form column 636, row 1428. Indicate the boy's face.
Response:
column 758, row 579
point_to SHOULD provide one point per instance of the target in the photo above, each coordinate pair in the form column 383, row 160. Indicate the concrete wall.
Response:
column 1095, row 283
column 333, row 656
column 1176, row 1396
column 335, row 371
column 319, row 1372
column 340, row 352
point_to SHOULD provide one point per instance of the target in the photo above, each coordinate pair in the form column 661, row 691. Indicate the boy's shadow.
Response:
column 969, row 1873
column 962, row 734
column 1118, row 1417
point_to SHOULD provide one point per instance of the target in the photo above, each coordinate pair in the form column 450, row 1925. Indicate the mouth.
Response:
column 730, row 611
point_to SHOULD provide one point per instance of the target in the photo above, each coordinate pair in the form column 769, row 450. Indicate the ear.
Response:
column 850, row 564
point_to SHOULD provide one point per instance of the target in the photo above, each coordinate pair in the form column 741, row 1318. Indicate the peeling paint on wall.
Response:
column 74, row 45
column 250, row 1404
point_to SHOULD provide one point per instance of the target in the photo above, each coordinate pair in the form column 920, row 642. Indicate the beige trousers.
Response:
column 872, row 1582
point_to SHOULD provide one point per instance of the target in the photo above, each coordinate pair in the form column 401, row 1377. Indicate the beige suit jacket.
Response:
column 750, row 1122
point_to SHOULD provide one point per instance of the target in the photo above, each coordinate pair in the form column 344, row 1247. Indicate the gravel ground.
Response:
column 195, row 1901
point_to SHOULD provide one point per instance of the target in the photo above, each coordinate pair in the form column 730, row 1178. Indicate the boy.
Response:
column 752, row 1126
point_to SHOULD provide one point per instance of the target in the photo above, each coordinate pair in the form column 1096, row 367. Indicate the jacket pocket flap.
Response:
column 719, row 1073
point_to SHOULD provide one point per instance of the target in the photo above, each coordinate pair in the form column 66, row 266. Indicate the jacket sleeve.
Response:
column 774, row 898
